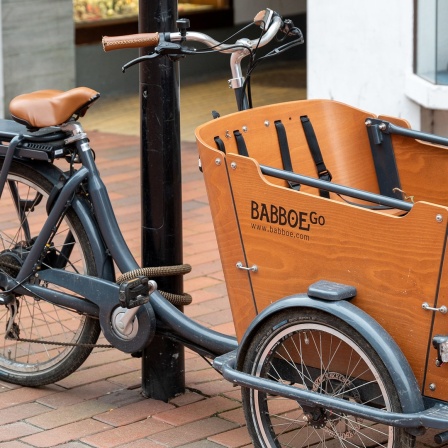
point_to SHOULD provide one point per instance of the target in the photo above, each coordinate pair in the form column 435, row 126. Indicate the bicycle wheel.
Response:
column 38, row 340
column 313, row 350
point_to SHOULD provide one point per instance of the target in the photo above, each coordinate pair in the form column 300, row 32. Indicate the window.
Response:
column 431, row 59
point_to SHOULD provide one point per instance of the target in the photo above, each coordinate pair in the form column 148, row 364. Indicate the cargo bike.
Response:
column 331, row 225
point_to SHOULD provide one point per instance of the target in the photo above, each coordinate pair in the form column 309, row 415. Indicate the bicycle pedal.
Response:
column 135, row 292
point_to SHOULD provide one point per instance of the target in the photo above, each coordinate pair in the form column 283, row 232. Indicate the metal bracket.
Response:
column 443, row 309
column 253, row 268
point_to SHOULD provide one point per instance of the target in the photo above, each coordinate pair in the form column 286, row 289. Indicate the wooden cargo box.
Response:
column 294, row 237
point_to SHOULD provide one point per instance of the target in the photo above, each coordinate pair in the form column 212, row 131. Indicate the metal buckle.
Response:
column 325, row 175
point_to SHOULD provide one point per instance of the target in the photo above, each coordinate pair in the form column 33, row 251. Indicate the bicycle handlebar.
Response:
column 269, row 21
column 130, row 41
column 172, row 45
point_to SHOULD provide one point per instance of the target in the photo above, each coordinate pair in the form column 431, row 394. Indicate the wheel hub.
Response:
column 338, row 425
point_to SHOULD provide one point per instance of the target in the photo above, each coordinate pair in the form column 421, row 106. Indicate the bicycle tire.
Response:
column 314, row 350
column 40, row 363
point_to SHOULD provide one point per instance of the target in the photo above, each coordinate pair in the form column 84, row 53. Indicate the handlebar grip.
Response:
column 130, row 41
column 259, row 17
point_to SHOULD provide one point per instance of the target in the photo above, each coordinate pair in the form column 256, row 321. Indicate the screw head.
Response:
column 432, row 386
column 439, row 218
column 266, row 123
column 218, row 161
column 233, row 166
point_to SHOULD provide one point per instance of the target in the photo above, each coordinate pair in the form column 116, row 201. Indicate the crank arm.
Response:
column 114, row 319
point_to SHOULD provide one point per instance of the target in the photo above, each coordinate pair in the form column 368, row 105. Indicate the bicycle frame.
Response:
column 101, row 293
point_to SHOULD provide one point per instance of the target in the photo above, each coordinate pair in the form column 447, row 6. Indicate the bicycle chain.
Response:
column 63, row 344
column 158, row 271
column 14, row 335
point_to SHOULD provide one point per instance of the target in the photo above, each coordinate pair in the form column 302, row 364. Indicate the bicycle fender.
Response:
column 103, row 262
column 395, row 362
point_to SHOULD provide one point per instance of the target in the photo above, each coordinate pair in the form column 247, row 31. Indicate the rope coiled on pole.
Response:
column 162, row 271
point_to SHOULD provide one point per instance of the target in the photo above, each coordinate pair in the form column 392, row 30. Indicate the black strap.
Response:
column 220, row 144
column 240, row 143
column 313, row 144
column 284, row 151
column 384, row 160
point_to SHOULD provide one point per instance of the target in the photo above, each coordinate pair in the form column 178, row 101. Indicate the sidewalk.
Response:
column 101, row 404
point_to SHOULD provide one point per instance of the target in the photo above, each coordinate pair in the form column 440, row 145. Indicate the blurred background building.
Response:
column 385, row 57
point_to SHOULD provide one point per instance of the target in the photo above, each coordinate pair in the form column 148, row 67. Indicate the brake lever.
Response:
column 139, row 60
column 170, row 49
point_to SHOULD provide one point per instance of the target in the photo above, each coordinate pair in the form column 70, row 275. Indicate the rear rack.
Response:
column 46, row 144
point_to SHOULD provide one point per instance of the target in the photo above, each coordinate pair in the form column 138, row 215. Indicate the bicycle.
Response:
column 60, row 242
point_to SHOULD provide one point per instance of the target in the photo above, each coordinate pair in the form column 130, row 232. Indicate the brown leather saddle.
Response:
column 45, row 108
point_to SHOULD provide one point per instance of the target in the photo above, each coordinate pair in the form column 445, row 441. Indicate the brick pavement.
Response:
column 101, row 405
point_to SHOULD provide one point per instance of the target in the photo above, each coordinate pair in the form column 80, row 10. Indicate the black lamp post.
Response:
column 163, row 363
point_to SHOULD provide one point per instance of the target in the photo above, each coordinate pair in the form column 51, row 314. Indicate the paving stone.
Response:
column 196, row 411
column 105, row 371
column 226, row 328
column 24, row 395
column 14, row 444
column 199, row 283
column 201, row 376
column 104, row 356
column 192, row 432
column 125, row 434
column 235, row 415
column 21, row 412
column 235, row 394
column 142, row 443
column 78, row 394
column 196, row 363
column 216, row 387
column 202, row 444
column 4, row 386
column 16, row 430
column 133, row 412
column 234, row 438
column 122, row 397
column 73, row 445
column 64, row 434
column 214, row 318
column 129, row 380
column 68, row 414
column 186, row 398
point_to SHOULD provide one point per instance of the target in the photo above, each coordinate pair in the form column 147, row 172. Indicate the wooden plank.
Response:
column 422, row 167
column 438, row 376
column 227, row 234
column 296, row 239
